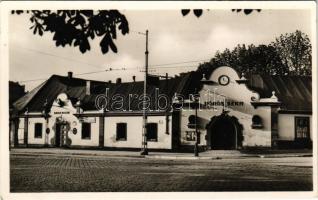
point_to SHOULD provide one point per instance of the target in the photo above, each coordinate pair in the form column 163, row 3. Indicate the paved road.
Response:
column 74, row 173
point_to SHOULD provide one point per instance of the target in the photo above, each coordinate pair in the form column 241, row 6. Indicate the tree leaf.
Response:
column 185, row 11
column 40, row 31
column 104, row 44
column 248, row 11
column 34, row 31
column 197, row 12
column 75, row 27
column 113, row 46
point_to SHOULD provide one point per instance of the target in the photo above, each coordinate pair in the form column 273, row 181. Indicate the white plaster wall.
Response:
column 204, row 115
column 286, row 126
column 134, row 132
column 251, row 137
column 233, row 92
column 21, row 131
column 66, row 113
column 259, row 137
column 31, row 138
column 77, row 138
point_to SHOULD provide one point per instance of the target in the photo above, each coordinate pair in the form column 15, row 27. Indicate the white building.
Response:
column 234, row 112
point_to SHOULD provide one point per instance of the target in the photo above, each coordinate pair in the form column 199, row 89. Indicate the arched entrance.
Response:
column 224, row 132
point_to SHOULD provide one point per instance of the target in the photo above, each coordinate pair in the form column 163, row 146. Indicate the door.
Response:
column 58, row 135
column 223, row 134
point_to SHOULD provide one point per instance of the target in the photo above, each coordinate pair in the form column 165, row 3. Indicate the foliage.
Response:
column 199, row 12
column 290, row 54
column 294, row 50
column 77, row 27
column 246, row 11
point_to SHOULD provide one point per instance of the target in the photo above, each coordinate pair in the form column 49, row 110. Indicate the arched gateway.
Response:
column 224, row 132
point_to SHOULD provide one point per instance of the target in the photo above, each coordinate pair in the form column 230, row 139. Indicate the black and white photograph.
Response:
column 167, row 98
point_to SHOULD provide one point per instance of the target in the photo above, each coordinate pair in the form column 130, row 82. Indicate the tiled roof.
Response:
column 75, row 88
column 293, row 91
column 16, row 91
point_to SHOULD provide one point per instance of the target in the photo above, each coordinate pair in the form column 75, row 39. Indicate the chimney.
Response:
column 88, row 87
column 118, row 81
column 134, row 78
column 70, row 75
column 109, row 81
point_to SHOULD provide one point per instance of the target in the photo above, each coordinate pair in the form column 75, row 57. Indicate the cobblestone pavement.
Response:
column 51, row 173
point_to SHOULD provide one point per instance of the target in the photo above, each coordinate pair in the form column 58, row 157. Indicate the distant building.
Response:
column 234, row 112
column 16, row 91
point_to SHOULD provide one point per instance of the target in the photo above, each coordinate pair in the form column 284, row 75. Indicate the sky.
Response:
column 172, row 39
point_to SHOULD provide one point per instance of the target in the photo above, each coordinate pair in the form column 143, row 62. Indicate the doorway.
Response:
column 224, row 133
column 58, row 131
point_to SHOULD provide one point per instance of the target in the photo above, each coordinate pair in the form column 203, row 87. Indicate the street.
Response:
column 80, row 173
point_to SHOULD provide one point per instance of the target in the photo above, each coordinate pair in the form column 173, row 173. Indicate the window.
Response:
column 257, row 122
column 38, row 130
column 86, row 130
column 152, row 132
column 302, row 127
column 121, row 131
column 190, row 136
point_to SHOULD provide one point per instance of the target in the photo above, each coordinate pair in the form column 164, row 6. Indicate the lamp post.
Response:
column 196, row 103
column 46, row 115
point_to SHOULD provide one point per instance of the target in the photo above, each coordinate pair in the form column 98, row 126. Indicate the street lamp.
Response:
column 46, row 115
column 195, row 101
column 196, row 105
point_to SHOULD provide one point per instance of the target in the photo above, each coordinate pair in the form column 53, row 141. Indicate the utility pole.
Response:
column 196, row 148
column 144, row 150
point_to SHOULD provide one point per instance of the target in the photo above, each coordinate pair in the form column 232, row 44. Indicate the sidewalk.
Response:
column 211, row 154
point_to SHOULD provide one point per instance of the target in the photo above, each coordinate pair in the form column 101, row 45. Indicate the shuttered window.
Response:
column 302, row 127
column 86, row 130
column 121, row 131
column 152, row 132
column 38, row 130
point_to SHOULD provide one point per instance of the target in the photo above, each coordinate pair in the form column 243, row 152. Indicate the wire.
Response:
column 152, row 68
column 137, row 32
column 56, row 56
column 179, row 63
column 109, row 70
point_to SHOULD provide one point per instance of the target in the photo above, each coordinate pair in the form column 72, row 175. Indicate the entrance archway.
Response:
column 224, row 132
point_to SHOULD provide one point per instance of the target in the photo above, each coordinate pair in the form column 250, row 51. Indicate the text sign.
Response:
column 88, row 119
column 65, row 112
column 227, row 103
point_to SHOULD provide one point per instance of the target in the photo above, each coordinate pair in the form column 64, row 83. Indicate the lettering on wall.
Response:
column 65, row 112
column 88, row 119
column 221, row 103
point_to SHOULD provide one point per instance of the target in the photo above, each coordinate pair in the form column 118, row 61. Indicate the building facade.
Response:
column 231, row 112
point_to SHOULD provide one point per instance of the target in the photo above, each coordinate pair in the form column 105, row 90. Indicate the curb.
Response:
column 178, row 157
column 283, row 156
column 75, row 154
column 218, row 157
column 165, row 157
